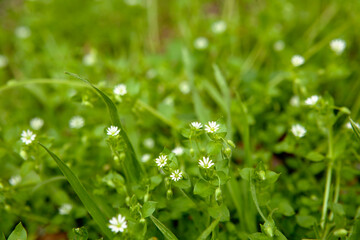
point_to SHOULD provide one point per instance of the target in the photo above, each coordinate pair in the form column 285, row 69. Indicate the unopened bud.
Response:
column 231, row 143
column 218, row 194
column 116, row 158
column 340, row 232
column 169, row 194
column 192, row 152
column 228, row 152
column 269, row 231
column 146, row 197
column 127, row 200
column 142, row 221
column 262, row 175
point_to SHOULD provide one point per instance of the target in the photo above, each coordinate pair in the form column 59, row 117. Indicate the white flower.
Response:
column 218, row 27
column 298, row 130
column 76, row 122
column 65, row 209
column 297, row 60
column 295, row 101
column 206, row 162
column 212, row 127
column 196, row 125
column 22, row 32
column 338, row 46
column 120, row 90
column 161, row 161
column 178, row 151
column 112, row 131
column 27, row 137
column 311, row 101
column 90, row 58
column 15, row 180
column 149, row 143
column 36, row 123
column 201, row 43
column 3, row 61
column 118, row 224
column 279, row 45
column 176, row 175
column 184, row 87
column 146, row 157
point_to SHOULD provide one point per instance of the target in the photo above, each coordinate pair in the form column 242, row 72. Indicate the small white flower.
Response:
column 279, row 45
column 3, row 61
column 112, row 131
column 206, row 162
column 311, row 101
column 178, row 151
column 120, row 90
column 22, row 32
column 297, row 60
column 295, row 101
column 65, row 209
column 338, row 46
column 218, row 27
column 15, row 180
column 176, row 175
column 298, row 130
column 90, row 58
column 161, row 161
column 146, row 157
column 184, row 87
column 196, row 125
column 212, row 127
column 149, row 143
column 76, row 122
column 36, row 123
column 201, row 43
column 27, row 137
column 118, row 224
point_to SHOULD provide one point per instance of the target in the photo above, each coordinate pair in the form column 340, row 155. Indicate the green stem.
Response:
column 328, row 179
column 253, row 194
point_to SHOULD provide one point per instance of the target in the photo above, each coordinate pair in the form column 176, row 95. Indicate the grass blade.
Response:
column 355, row 128
column 132, row 165
column 202, row 112
column 84, row 196
column 163, row 229
column 208, row 230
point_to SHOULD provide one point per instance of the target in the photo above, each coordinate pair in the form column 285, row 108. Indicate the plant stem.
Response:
column 328, row 179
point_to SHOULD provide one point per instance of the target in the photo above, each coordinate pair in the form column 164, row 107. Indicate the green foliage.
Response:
column 19, row 233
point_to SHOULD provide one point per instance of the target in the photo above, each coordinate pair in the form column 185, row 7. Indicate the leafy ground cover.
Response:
column 179, row 119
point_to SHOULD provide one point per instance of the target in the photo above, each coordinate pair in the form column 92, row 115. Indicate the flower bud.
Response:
column 340, row 232
column 192, row 153
column 142, row 221
column 146, row 197
column 127, row 200
column 231, row 143
column 268, row 228
column 116, row 159
column 262, row 175
column 169, row 194
column 228, row 152
column 218, row 194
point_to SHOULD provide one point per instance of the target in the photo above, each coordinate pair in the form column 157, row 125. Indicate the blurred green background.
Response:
column 141, row 43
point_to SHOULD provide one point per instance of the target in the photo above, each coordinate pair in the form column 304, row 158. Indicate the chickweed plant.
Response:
column 142, row 119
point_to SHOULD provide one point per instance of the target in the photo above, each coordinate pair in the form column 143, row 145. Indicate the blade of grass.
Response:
column 84, row 196
column 202, row 113
column 208, row 230
column 132, row 166
column 355, row 128
column 163, row 229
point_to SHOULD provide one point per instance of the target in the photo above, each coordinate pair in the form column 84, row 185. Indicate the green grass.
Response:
column 270, row 179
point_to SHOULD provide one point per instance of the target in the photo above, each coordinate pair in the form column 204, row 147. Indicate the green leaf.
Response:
column 271, row 177
column 285, row 208
column 183, row 183
column 163, row 229
column 203, row 188
column 19, row 233
column 259, row 236
column 221, row 212
column 305, row 221
column 2, row 236
column 245, row 173
column 84, row 196
column 315, row 156
column 133, row 168
column 208, row 230
column 148, row 209
column 355, row 233
column 355, row 128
